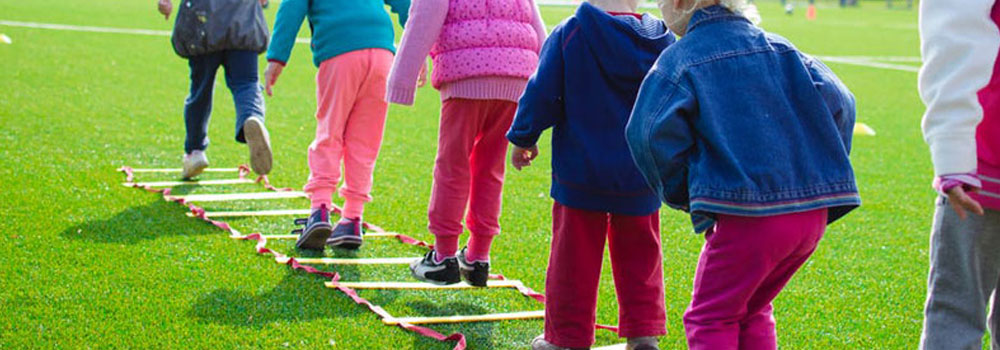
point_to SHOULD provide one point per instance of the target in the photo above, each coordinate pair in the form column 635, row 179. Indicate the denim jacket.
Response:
column 733, row 120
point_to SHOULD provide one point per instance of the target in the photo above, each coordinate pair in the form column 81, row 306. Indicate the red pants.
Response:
column 469, row 172
column 575, row 270
column 745, row 263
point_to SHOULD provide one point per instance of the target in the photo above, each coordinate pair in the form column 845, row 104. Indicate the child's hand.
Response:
column 422, row 77
column 522, row 157
column 960, row 202
column 271, row 75
column 165, row 7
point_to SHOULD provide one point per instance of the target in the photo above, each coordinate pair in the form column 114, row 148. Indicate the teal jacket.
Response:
column 338, row 26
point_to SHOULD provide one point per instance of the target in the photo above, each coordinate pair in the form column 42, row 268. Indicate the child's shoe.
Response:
column 194, row 163
column 347, row 235
column 474, row 272
column 428, row 270
column 539, row 343
column 317, row 229
column 259, row 143
column 643, row 343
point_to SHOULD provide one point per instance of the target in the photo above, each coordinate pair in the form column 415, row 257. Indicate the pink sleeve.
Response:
column 422, row 30
column 944, row 183
column 539, row 24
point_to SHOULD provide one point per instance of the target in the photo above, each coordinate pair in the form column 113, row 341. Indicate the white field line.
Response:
column 869, row 63
column 91, row 29
column 909, row 59
column 872, row 62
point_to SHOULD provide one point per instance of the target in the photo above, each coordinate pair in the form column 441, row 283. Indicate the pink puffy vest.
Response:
column 485, row 38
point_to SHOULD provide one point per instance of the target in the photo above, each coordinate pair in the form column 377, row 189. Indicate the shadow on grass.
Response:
column 478, row 333
column 140, row 223
column 298, row 297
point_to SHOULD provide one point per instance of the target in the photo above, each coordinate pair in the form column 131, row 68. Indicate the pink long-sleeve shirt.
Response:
column 482, row 49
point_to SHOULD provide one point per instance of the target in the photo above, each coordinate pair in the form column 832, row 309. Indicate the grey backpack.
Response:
column 207, row 26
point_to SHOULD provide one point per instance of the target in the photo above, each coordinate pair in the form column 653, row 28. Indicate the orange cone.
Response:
column 811, row 12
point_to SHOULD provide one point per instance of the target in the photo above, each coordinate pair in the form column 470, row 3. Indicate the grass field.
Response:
column 87, row 263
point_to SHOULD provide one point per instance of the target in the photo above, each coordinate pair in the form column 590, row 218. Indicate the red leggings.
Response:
column 575, row 270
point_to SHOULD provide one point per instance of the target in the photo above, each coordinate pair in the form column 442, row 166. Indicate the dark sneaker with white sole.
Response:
column 259, row 143
column 474, row 272
column 348, row 234
column 643, row 343
column 317, row 230
column 430, row 271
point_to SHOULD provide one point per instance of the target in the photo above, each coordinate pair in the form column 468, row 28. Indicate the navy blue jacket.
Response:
column 587, row 80
column 733, row 120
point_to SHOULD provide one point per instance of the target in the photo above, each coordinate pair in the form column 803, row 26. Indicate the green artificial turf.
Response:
column 87, row 263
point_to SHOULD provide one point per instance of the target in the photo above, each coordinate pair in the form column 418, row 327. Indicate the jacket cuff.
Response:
column 523, row 142
column 402, row 96
column 275, row 60
column 945, row 183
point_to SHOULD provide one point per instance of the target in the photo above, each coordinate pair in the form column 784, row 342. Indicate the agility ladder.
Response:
column 300, row 263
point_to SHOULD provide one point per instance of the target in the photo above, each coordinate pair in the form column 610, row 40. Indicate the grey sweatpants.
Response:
column 965, row 270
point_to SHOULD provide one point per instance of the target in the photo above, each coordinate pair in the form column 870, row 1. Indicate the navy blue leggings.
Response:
column 242, row 80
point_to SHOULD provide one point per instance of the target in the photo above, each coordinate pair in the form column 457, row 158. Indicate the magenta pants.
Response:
column 745, row 263
column 350, row 119
column 469, row 171
column 574, row 273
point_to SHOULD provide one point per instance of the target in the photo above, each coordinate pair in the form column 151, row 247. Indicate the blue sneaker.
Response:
column 348, row 234
column 317, row 229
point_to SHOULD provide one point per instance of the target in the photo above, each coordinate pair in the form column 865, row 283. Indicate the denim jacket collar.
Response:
column 711, row 14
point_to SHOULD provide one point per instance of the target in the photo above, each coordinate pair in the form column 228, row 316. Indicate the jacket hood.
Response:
column 615, row 40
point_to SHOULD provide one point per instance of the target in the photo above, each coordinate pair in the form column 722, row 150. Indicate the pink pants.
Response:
column 468, row 173
column 350, row 118
column 745, row 263
column 574, row 272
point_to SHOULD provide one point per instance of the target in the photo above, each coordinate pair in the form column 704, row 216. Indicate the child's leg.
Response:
column 450, row 191
column 573, row 275
column 363, row 134
column 337, row 85
column 198, row 105
column 965, row 265
column 757, row 329
column 242, row 79
column 487, row 165
column 637, row 263
column 738, row 258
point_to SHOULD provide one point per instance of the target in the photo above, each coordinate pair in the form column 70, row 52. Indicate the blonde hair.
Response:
column 740, row 7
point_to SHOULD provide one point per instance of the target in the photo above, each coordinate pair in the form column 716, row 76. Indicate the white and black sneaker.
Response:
column 430, row 271
column 474, row 272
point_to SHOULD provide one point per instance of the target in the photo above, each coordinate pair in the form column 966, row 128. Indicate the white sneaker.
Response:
column 194, row 164
column 259, row 143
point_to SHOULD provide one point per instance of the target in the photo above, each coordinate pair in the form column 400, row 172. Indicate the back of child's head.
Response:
column 679, row 12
